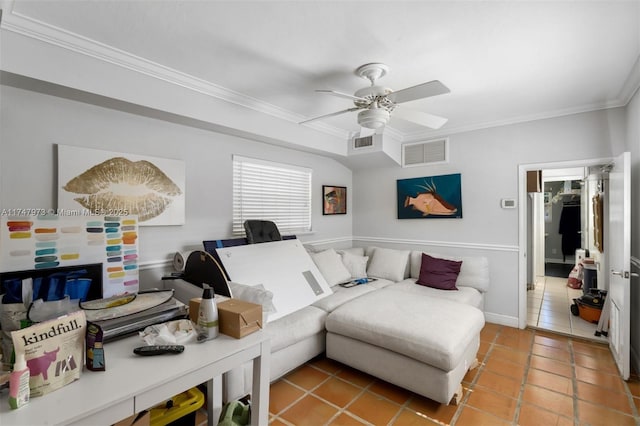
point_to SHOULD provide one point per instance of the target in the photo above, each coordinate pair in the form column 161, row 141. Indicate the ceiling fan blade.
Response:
column 419, row 117
column 343, row 95
column 424, row 90
column 329, row 115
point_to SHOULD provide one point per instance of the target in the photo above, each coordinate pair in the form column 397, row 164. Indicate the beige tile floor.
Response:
column 548, row 308
column 525, row 377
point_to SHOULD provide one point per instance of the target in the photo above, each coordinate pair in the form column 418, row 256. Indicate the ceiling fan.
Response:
column 377, row 103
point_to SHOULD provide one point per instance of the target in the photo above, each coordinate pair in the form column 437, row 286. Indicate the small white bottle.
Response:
column 207, row 315
column 19, row 390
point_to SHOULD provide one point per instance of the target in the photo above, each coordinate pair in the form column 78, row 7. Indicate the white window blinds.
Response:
column 265, row 190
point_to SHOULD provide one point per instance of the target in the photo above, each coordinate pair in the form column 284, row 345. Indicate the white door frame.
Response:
column 522, row 222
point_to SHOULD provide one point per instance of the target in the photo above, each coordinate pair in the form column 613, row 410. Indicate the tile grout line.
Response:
column 630, row 397
column 481, row 367
column 574, row 383
column 342, row 410
column 306, row 392
column 525, row 376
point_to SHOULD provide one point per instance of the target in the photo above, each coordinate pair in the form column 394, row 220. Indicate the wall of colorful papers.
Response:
column 49, row 241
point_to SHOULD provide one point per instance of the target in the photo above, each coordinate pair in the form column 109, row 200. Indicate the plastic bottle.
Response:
column 207, row 315
column 19, row 390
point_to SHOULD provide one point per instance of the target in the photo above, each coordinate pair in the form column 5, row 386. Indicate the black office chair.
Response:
column 261, row 231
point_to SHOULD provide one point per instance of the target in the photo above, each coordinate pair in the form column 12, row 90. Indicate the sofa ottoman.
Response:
column 422, row 344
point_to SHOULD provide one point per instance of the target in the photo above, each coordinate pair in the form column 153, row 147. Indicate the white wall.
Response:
column 488, row 161
column 33, row 123
column 633, row 145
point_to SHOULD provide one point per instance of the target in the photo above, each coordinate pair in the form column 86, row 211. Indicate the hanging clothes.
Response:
column 570, row 228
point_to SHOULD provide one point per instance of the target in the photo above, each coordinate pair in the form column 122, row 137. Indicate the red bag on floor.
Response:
column 575, row 277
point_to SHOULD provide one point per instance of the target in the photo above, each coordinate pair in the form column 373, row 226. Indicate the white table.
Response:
column 133, row 383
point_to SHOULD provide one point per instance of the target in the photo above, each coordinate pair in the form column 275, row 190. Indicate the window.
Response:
column 265, row 190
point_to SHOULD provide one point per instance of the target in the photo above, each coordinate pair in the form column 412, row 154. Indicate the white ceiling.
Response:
column 504, row 61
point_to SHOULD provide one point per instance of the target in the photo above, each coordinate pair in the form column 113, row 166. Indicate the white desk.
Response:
column 133, row 383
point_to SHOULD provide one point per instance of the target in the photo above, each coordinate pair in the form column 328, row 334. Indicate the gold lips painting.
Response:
column 111, row 183
column 434, row 197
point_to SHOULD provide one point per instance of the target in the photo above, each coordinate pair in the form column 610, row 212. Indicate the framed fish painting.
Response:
column 433, row 197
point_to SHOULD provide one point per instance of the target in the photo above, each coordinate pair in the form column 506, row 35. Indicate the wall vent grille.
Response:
column 364, row 142
column 422, row 153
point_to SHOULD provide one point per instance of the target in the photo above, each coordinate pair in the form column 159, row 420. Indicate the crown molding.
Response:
column 421, row 135
column 61, row 38
column 631, row 84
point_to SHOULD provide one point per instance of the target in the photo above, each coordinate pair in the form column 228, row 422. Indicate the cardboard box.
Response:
column 194, row 306
column 534, row 181
column 239, row 318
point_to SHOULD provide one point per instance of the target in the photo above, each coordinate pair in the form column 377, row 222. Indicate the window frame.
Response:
column 256, row 182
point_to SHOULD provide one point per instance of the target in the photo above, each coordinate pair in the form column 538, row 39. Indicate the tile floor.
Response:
column 548, row 308
column 525, row 377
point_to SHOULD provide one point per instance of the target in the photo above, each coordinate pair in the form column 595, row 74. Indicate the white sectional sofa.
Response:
column 415, row 336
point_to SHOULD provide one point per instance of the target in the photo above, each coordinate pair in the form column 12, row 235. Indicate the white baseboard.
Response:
column 501, row 319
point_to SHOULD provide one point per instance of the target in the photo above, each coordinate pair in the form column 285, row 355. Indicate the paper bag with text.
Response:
column 53, row 350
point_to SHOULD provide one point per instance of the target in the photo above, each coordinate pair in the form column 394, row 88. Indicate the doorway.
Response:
column 559, row 234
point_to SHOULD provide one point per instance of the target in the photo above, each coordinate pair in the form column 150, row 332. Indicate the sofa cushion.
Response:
column 357, row 265
column 439, row 273
column 330, row 265
column 295, row 327
column 467, row 295
column 431, row 330
column 474, row 271
column 342, row 295
column 387, row 263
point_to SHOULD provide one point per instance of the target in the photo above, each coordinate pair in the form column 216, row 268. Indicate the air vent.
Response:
column 421, row 153
column 364, row 142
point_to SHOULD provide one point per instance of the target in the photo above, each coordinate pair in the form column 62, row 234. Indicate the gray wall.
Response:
column 488, row 161
column 33, row 123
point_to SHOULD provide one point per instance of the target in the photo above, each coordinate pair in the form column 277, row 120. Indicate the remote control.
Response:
column 158, row 350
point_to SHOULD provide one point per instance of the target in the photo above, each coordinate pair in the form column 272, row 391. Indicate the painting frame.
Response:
column 334, row 200
column 86, row 185
column 430, row 197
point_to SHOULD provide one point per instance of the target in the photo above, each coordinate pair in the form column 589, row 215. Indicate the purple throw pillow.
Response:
column 439, row 273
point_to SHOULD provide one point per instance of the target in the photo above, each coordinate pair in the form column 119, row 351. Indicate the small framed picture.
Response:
column 334, row 199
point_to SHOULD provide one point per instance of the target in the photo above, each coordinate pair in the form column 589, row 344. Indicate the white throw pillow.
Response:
column 356, row 251
column 331, row 267
column 357, row 265
column 388, row 264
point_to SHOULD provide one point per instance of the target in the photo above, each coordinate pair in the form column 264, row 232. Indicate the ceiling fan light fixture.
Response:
column 373, row 118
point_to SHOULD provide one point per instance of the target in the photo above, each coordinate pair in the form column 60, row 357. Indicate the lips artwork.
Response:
column 124, row 187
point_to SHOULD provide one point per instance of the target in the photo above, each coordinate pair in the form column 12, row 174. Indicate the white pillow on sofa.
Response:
column 356, row 251
column 330, row 265
column 388, row 264
column 357, row 265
